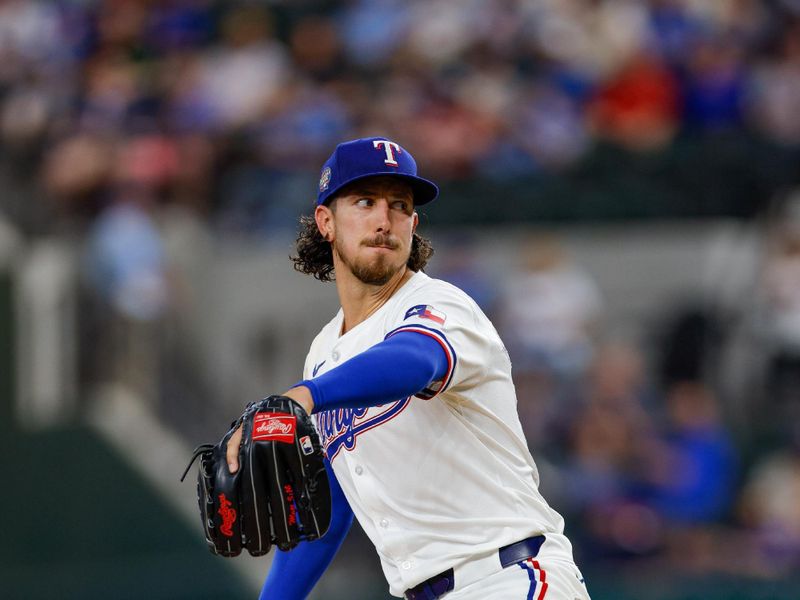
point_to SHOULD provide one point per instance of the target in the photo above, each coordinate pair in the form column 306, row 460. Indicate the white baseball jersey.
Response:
column 445, row 475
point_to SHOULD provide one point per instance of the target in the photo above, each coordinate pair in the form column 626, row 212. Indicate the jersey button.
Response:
column 359, row 470
column 335, row 355
column 384, row 523
column 406, row 565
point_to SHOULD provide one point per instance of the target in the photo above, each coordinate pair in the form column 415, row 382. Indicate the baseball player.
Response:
column 410, row 387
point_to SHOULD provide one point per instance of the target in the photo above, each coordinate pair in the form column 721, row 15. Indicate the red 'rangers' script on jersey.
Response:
column 274, row 428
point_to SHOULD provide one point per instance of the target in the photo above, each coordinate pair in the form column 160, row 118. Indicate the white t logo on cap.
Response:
column 390, row 148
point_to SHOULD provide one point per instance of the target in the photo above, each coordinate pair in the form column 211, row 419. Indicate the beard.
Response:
column 377, row 271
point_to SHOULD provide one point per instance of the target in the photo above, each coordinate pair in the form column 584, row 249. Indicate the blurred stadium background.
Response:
column 620, row 194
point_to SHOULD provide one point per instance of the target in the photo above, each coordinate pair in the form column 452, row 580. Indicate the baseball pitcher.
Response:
column 410, row 389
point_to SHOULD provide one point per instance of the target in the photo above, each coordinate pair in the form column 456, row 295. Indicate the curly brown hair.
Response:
column 315, row 255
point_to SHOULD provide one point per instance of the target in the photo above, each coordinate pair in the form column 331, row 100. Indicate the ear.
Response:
column 416, row 222
column 324, row 218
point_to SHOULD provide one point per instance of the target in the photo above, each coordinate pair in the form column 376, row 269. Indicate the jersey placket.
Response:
column 382, row 527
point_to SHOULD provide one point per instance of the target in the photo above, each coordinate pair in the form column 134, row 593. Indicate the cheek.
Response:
column 344, row 238
column 406, row 230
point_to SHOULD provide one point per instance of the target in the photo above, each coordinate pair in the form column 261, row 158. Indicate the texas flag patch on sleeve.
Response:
column 426, row 311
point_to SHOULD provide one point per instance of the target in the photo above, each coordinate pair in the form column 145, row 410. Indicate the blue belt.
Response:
column 438, row 585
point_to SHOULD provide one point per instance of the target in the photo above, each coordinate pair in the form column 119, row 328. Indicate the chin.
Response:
column 378, row 273
column 374, row 268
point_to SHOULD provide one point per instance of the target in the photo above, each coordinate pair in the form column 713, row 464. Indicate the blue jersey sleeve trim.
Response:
column 294, row 574
column 441, row 383
column 398, row 367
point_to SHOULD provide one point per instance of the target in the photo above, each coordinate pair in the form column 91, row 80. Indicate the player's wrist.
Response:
column 301, row 394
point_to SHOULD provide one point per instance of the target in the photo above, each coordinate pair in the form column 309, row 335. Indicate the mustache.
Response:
column 381, row 240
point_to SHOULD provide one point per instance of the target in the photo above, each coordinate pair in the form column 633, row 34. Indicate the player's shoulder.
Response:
column 432, row 291
column 439, row 287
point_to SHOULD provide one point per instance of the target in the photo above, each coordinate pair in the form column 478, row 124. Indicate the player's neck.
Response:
column 360, row 300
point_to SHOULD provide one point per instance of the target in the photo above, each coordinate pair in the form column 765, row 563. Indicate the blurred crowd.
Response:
column 656, row 463
column 118, row 110
column 229, row 108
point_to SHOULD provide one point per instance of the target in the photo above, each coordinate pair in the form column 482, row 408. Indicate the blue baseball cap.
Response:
column 367, row 157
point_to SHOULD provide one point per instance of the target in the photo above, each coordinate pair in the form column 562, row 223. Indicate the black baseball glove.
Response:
column 280, row 495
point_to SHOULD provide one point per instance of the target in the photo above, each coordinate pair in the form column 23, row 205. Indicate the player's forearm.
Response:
column 396, row 368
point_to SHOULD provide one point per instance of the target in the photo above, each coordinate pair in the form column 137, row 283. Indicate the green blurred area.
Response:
column 6, row 350
column 80, row 523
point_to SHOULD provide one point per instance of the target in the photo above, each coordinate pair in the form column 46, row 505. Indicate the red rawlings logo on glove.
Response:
column 228, row 515
column 274, row 428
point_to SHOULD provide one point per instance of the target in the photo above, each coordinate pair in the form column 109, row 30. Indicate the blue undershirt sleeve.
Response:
column 396, row 368
column 294, row 574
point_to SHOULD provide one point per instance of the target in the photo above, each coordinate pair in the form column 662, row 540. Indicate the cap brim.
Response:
column 424, row 191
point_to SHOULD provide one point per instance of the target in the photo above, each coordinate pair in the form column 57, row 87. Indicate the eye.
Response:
column 402, row 205
column 364, row 202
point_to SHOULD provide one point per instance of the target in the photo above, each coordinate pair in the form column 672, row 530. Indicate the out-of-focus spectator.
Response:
column 179, row 25
column 126, row 269
column 779, row 320
column 30, row 39
column 639, row 107
column 550, row 127
column 316, row 48
column 113, row 86
column 443, row 29
column 194, row 173
column 714, row 86
column 238, row 78
column 372, row 31
column 603, row 445
column 76, row 169
column 770, row 508
column 300, row 126
column 149, row 160
column 550, row 307
column 653, row 486
column 776, row 89
column 126, row 262
column 690, row 473
column 548, row 311
column 673, row 28
column 23, row 120
column 782, row 287
column 593, row 38
column 496, row 90
column 618, row 380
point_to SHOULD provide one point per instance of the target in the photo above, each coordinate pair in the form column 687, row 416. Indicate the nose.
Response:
column 381, row 214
